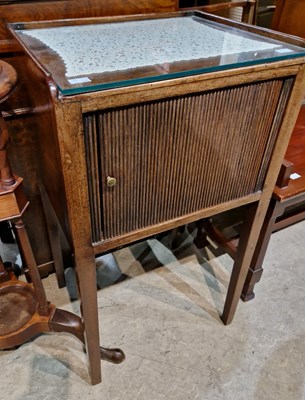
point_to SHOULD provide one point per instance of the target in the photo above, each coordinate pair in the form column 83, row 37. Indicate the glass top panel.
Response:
column 99, row 56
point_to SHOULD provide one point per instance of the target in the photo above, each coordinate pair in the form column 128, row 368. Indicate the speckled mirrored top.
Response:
column 120, row 46
column 93, row 56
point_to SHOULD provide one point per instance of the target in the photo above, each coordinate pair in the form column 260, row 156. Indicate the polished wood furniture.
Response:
column 244, row 11
column 26, row 118
column 144, row 151
column 38, row 10
column 287, row 206
column 292, row 190
column 24, row 309
column 289, row 17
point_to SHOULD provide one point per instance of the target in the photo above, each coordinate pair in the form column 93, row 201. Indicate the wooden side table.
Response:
column 141, row 147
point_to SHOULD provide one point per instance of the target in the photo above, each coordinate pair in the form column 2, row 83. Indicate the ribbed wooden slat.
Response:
column 287, row 85
column 175, row 156
column 93, row 150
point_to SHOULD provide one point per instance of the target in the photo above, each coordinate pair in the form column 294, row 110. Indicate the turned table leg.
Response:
column 24, row 245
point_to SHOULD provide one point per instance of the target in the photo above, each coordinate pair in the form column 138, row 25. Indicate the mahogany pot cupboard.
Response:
column 136, row 145
column 26, row 116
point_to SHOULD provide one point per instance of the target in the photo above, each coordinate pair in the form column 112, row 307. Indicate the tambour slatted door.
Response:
column 176, row 156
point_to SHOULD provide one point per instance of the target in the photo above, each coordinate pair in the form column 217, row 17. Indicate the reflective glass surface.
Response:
column 101, row 55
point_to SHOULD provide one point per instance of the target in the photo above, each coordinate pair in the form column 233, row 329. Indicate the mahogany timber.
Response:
column 296, row 155
column 30, row 298
column 288, row 199
column 24, row 309
column 28, row 112
column 16, row 11
column 289, row 17
column 248, row 12
column 287, row 206
column 8, row 80
column 68, row 146
column 284, row 175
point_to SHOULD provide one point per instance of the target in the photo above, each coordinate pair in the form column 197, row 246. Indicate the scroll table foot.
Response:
column 115, row 356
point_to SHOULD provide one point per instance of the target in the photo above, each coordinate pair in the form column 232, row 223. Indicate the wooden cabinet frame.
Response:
column 69, row 156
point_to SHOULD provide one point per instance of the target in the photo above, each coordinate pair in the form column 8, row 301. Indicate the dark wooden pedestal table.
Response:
column 24, row 309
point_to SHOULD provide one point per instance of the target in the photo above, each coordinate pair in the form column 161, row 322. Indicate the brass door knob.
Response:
column 111, row 181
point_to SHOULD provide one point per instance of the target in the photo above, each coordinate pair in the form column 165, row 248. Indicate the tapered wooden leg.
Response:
column 248, row 237
column 86, row 276
column 255, row 272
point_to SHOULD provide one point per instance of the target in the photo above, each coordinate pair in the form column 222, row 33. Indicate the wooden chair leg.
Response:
column 275, row 210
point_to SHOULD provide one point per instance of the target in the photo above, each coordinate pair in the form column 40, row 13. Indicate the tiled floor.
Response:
column 165, row 315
